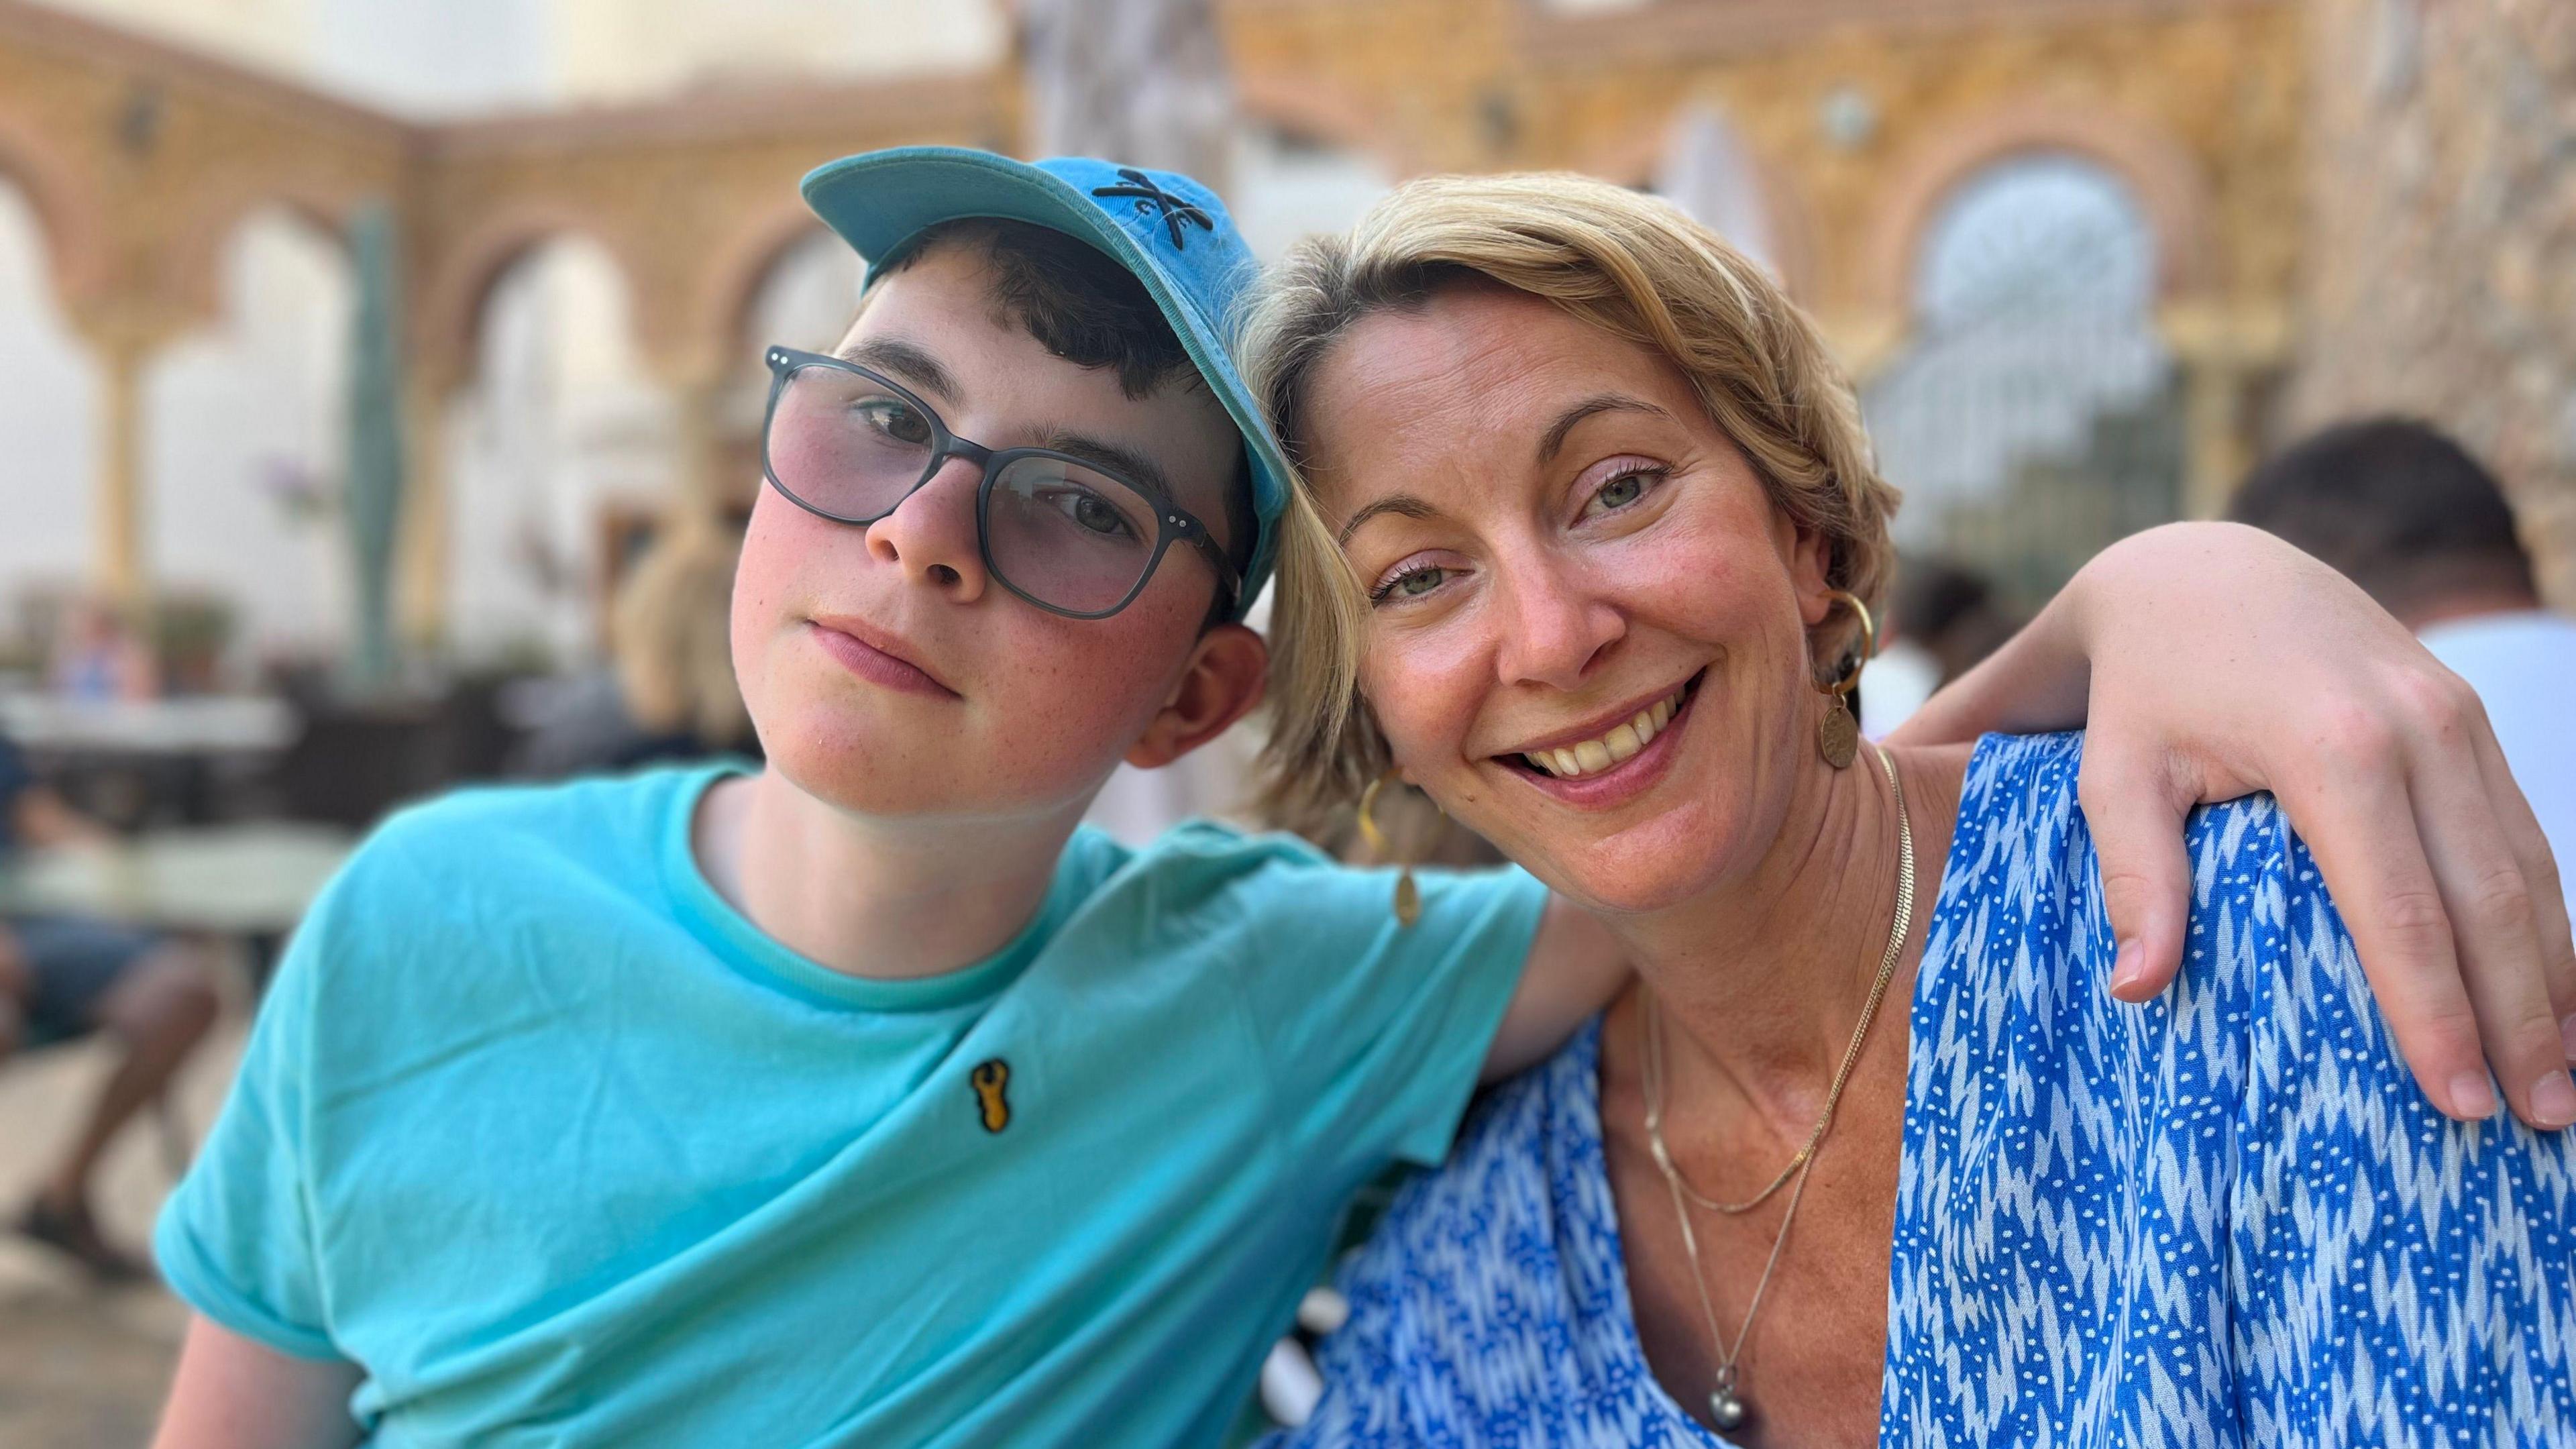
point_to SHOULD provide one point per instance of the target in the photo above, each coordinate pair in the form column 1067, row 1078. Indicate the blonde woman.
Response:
column 1591, row 538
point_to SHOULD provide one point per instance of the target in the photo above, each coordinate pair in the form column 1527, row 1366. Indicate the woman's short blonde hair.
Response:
column 1628, row 263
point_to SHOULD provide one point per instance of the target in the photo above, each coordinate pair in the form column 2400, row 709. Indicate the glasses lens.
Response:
column 846, row 444
column 1069, row 536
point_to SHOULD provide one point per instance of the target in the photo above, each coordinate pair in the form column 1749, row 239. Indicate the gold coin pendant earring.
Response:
column 1408, row 896
column 1838, row 733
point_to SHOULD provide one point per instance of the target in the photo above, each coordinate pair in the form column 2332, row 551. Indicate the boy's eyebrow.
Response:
column 905, row 360
column 1125, row 462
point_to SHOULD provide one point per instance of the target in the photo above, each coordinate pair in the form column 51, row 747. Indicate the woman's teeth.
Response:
column 1593, row 756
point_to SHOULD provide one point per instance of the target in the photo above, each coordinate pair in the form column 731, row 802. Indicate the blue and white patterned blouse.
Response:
column 2225, row 1217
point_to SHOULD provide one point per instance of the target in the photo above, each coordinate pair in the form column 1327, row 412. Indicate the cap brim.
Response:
column 880, row 201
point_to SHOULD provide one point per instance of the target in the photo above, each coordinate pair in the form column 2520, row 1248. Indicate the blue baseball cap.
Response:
column 1168, row 230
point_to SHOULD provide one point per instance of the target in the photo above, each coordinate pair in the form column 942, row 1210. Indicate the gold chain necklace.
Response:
column 1727, row 1409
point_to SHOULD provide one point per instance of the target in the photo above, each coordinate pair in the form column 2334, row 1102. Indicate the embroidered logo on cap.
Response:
column 1147, row 194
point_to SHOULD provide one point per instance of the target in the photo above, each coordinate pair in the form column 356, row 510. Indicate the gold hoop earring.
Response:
column 1838, row 733
column 1408, row 896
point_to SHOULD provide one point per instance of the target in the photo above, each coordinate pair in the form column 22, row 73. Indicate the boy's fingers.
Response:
column 2361, row 828
column 2146, row 874
column 2523, row 837
column 2497, row 928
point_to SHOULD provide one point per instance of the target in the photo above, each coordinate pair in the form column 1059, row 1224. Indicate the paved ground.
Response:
column 81, row 1368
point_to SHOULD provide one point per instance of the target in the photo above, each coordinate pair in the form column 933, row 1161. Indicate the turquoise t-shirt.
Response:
column 560, row 1149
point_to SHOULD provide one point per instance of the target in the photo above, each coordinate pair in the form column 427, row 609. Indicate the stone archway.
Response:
column 70, row 216
column 213, row 218
column 732, row 279
column 448, row 314
column 2166, row 181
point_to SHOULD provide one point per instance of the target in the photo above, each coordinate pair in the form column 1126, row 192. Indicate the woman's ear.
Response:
column 1224, row 681
column 1811, row 558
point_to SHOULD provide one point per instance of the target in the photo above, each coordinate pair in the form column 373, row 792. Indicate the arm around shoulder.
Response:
column 1575, row 970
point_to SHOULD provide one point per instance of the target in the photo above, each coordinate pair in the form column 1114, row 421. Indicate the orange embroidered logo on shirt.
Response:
column 988, row 1081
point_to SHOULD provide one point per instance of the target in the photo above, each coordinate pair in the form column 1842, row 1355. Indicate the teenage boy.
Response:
column 865, row 1100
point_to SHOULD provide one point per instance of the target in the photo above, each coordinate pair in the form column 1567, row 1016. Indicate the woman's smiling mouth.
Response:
column 1614, row 746
column 1612, row 764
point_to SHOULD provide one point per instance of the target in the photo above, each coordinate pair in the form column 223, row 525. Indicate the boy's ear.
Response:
column 1227, row 673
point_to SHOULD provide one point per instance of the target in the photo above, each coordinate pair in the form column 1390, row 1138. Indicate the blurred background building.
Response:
column 2086, row 256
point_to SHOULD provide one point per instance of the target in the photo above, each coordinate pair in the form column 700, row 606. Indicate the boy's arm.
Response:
column 1575, row 968
column 236, row 1393
column 2215, row 661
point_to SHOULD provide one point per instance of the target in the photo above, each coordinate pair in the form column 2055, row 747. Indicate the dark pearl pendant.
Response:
column 1727, row 1411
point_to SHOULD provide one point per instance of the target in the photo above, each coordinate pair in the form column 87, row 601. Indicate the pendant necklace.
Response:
column 1728, row 1409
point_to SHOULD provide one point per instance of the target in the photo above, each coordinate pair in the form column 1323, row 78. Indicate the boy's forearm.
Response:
column 233, row 1393
column 1575, row 968
column 2038, row 681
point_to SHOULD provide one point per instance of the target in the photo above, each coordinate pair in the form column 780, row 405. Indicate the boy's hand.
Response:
column 2214, row 661
column 1575, row 967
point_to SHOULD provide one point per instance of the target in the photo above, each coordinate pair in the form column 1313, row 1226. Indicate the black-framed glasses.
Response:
column 1062, row 532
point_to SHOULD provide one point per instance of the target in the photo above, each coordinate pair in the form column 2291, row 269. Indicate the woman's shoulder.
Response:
column 1489, row 1306
column 1524, row 1156
column 2249, row 1130
column 2023, row 844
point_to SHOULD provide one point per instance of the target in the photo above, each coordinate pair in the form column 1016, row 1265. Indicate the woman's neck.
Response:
column 1761, row 980
column 869, row 899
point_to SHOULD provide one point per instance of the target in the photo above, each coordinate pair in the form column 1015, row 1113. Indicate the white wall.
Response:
column 447, row 58
column 560, row 419
column 248, row 422
column 48, row 419
column 615, row 50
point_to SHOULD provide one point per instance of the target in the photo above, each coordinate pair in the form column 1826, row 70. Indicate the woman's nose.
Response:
column 931, row 534
column 1554, row 628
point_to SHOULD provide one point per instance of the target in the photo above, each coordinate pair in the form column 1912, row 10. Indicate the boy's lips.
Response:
column 877, row 656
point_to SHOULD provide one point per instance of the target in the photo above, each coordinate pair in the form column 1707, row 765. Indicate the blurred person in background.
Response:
column 97, row 657
column 1944, row 621
column 65, row 977
column 2424, row 529
column 669, row 693
column 674, row 654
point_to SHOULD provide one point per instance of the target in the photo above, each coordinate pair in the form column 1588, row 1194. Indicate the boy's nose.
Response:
column 931, row 534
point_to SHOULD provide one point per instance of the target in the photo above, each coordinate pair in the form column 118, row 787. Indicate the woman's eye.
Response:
column 1623, row 490
column 1413, row 583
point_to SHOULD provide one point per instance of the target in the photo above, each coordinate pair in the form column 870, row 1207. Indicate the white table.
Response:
column 227, row 880
column 222, row 724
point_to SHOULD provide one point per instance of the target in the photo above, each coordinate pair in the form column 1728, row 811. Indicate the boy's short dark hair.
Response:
column 1090, row 311
column 2394, row 505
